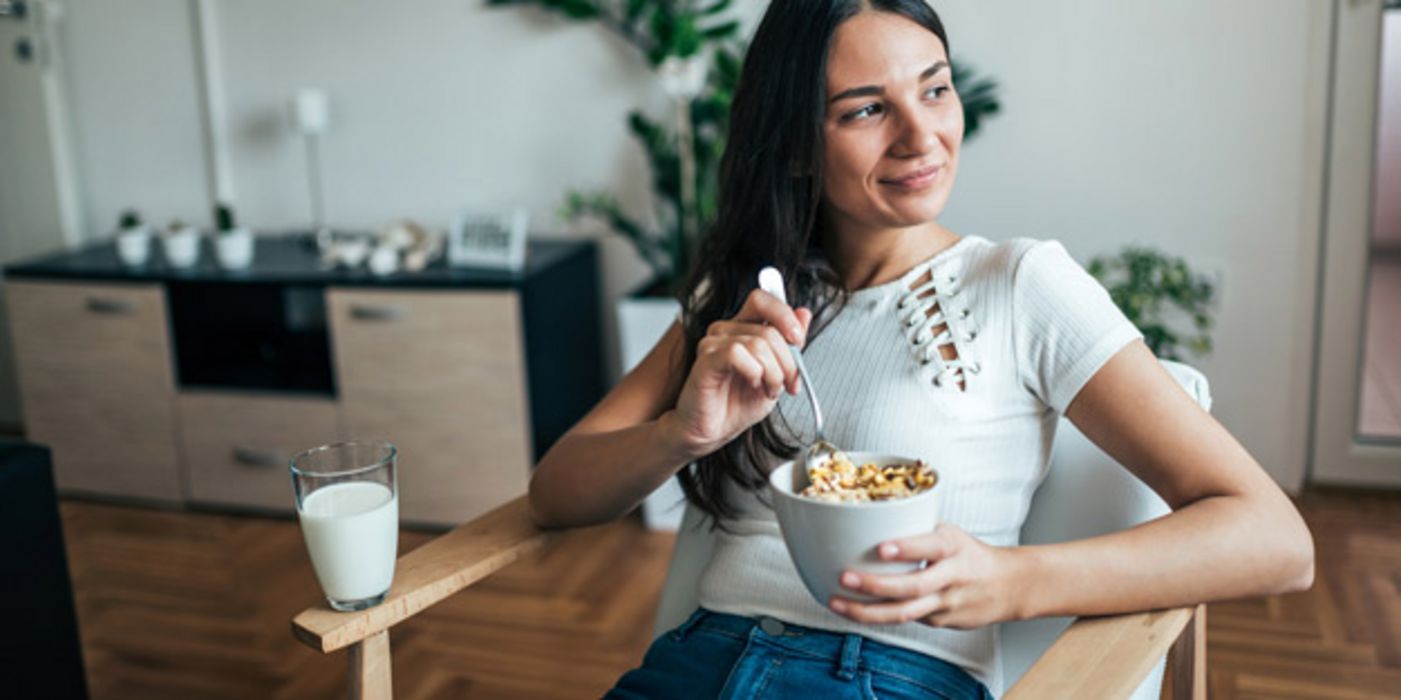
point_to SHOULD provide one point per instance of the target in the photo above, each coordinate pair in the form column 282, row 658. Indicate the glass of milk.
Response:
column 348, row 503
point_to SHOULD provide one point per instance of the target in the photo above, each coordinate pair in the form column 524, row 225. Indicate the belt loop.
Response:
column 851, row 656
column 679, row 634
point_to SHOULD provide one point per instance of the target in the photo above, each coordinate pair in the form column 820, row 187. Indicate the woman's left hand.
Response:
column 966, row 584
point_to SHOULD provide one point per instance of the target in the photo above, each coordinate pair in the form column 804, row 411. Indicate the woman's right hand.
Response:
column 741, row 366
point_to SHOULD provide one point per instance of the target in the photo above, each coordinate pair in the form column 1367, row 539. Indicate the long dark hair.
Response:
column 770, row 209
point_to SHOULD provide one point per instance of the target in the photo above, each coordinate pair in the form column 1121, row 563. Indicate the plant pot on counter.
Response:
column 182, row 247
column 134, row 245
column 234, row 249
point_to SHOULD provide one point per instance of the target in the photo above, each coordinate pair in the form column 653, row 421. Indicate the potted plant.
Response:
column 233, row 244
column 1160, row 294
column 181, row 242
column 133, row 239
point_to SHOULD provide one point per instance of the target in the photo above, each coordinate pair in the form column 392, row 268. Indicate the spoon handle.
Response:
column 771, row 281
column 807, row 389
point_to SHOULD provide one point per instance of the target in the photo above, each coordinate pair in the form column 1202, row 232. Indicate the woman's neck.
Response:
column 871, row 257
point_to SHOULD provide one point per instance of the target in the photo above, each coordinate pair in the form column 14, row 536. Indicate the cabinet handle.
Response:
column 361, row 312
column 258, row 458
column 113, row 307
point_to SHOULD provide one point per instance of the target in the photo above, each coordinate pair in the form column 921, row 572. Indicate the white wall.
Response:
column 1194, row 126
column 1386, row 223
column 1190, row 126
column 135, row 110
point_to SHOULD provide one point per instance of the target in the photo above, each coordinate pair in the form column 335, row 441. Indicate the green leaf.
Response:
column 716, row 9
column 578, row 9
column 686, row 37
column 721, row 31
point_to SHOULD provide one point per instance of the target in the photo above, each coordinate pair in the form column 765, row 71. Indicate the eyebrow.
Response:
column 866, row 90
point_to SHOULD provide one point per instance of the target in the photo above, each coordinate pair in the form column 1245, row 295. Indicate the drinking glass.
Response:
column 348, row 504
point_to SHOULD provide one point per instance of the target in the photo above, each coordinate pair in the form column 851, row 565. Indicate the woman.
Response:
column 844, row 144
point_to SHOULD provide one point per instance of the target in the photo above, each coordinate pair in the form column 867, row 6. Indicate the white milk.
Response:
column 351, row 531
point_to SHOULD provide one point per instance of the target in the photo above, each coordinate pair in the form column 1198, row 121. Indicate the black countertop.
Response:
column 290, row 259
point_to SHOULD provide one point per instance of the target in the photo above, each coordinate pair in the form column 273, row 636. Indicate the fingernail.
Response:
column 838, row 606
column 889, row 550
column 850, row 580
column 795, row 333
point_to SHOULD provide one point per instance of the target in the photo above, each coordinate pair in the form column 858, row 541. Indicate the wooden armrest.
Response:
column 436, row 570
column 1102, row 657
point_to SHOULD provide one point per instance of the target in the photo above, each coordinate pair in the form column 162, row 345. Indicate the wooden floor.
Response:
column 1341, row 639
column 186, row 605
column 182, row 605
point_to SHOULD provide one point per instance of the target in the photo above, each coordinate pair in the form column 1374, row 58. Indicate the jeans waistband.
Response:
column 846, row 651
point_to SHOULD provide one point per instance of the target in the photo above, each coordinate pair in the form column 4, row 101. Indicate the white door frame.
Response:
column 1337, row 457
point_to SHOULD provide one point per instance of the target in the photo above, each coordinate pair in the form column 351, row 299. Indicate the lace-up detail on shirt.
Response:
column 938, row 335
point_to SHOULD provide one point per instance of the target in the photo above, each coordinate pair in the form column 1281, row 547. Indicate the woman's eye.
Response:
column 865, row 112
column 937, row 91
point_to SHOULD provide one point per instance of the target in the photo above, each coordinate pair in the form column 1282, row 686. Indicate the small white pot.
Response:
column 234, row 249
column 384, row 260
column 134, row 246
column 182, row 247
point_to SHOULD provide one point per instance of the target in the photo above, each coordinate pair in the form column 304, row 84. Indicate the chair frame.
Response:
column 1096, row 657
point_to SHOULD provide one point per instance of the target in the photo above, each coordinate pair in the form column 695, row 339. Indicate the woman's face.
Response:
column 893, row 124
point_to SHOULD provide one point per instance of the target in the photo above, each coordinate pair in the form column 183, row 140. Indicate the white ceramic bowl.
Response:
column 824, row 539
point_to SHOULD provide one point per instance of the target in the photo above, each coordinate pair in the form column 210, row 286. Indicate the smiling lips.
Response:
column 915, row 180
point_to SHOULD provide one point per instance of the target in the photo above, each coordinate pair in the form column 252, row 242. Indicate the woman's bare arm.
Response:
column 620, row 451
column 1232, row 532
column 664, row 415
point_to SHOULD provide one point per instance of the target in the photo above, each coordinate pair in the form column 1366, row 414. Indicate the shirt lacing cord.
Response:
column 923, row 308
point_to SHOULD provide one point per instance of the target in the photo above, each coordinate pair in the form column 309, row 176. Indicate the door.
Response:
column 1359, row 356
column 38, row 211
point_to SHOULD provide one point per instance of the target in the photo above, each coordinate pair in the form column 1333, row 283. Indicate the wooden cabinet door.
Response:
column 94, row 365
column 441, row 375
column 236, row 448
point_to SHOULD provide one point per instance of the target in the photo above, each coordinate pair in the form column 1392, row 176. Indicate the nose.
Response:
column 917, row 132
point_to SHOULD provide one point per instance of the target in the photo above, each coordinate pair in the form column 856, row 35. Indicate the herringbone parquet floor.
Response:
column 195, row 605
column 1341, row 639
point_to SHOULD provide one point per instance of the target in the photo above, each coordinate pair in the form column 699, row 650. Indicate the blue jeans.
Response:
column 713, row 656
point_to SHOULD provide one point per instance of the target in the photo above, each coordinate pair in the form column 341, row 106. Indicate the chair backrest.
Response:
column 1085, row 493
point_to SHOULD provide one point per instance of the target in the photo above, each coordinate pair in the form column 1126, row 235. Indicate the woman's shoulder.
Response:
column 1004, row 259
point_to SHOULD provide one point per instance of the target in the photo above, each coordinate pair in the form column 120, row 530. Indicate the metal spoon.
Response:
column 820, row 451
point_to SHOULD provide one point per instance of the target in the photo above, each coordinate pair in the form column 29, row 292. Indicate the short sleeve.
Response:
column 1065, row 325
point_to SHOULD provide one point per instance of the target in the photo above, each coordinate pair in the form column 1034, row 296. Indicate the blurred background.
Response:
column 1254, row 144
column 1197, row 128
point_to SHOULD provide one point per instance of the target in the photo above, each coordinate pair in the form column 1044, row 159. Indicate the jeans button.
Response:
column 771, row 627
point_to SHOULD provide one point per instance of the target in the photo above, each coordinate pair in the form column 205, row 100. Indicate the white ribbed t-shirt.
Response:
column 1029, row 327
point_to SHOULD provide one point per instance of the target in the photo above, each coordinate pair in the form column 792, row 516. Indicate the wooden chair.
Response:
column 1112, row 657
